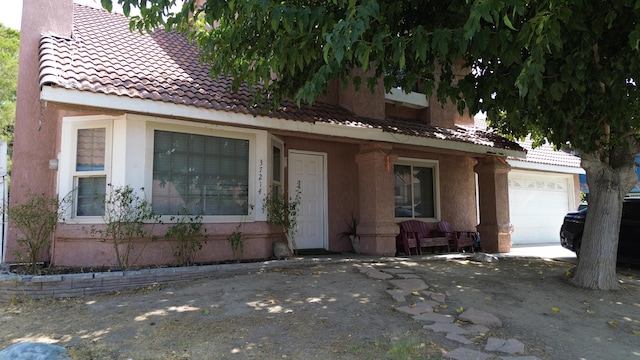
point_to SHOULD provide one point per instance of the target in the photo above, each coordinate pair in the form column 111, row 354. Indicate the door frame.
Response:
column 291, row 186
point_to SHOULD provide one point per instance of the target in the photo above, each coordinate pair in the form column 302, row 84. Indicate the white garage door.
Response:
column 537, row 204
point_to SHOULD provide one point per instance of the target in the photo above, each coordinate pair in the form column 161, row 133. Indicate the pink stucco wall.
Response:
column 35, row 128
column 74, row 246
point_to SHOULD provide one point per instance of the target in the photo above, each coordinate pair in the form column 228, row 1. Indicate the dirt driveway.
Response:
column 331, row 310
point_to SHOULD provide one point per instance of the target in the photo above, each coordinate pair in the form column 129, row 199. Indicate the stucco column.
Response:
column 493, row 189
column 377, row 228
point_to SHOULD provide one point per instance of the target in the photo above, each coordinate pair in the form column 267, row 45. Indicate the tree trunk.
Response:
column 598, row 251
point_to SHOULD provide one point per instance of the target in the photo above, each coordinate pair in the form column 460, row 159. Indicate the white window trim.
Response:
column 133, row 134
column 217, row 132
column 67, row 172
column 434, row 164
column 412, row 99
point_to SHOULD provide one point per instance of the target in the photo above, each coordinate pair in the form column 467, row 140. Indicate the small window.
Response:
column 205, row 175
column 277, row 167
column 276, row 174
column 90, row 178
column 415, row 191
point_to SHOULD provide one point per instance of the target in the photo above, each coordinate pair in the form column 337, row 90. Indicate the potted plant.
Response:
column 352, row 233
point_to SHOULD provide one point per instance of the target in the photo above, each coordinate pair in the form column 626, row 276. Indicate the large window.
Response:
column 90, row 175
column 416, row 190
column 200, row 174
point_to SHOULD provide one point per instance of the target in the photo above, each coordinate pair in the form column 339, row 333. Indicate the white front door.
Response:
column 309, row 170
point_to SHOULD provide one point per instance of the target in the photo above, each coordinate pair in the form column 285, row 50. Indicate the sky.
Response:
column 11, row 13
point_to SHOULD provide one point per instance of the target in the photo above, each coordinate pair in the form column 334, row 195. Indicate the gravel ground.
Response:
column 331, row 310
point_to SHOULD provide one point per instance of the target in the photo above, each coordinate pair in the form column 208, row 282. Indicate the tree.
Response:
column 556, row 69
column 9, row 43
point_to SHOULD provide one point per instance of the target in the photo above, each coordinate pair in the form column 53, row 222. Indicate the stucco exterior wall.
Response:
column 447, row 115
column 75, row 247
column 342, row 179
column 363, row 102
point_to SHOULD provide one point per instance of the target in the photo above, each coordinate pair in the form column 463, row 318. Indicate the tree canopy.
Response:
column 9, row 43
column 564, row 70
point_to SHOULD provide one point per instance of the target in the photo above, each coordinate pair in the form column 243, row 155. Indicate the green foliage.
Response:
column 352, row 227
column 126, row 215
column 284, row 213
column 236, row 241
column 36, row 219
column 189, row 234
column 573, row 67
column 9, row 44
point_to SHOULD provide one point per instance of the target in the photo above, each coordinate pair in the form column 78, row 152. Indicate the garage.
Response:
column 538, row 203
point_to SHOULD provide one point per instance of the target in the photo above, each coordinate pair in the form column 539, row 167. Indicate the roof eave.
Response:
column 158, row 108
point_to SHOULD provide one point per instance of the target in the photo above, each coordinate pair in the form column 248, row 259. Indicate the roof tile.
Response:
column 543, row 154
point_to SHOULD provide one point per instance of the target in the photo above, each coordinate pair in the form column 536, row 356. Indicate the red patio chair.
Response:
column 417, row 234
column 458, row 240
column 407, row 241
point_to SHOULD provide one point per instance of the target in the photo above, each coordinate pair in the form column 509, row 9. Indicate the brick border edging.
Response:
column 14, row 286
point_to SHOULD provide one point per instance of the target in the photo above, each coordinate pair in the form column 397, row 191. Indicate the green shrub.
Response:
column 125, row 217
column 36, row 219
column 189, row 234
column 284, row 213
column 236, row 241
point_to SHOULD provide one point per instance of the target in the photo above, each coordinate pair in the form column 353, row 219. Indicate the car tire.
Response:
column 577, row 243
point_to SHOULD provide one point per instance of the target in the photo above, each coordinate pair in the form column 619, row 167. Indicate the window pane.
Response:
column 276, row 164
column 403, row 206
column 91, row 192
column 423, row 192
column 414, row 192
column 204, row 174
column 91, row 149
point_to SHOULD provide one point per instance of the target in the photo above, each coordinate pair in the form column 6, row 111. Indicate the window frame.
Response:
column 68, row 173
column 422, row 163
column 152, row 126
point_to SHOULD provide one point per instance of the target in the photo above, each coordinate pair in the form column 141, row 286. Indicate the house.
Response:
column 100, row 105
column 543, row 187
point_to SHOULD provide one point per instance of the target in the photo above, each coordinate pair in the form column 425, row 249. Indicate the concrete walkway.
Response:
column 556, row 252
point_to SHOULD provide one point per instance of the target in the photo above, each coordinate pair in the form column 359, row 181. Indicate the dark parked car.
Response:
column 629, row 241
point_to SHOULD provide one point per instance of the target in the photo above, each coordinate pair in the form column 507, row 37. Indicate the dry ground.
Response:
column 330, row 310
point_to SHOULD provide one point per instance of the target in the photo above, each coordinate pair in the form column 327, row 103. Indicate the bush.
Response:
column 36, row 219
column 284, row 213
column 125, row 217
column 189, row 234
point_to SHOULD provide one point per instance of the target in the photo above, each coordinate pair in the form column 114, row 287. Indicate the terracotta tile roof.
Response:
column 103, row 56
column 544, row 154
